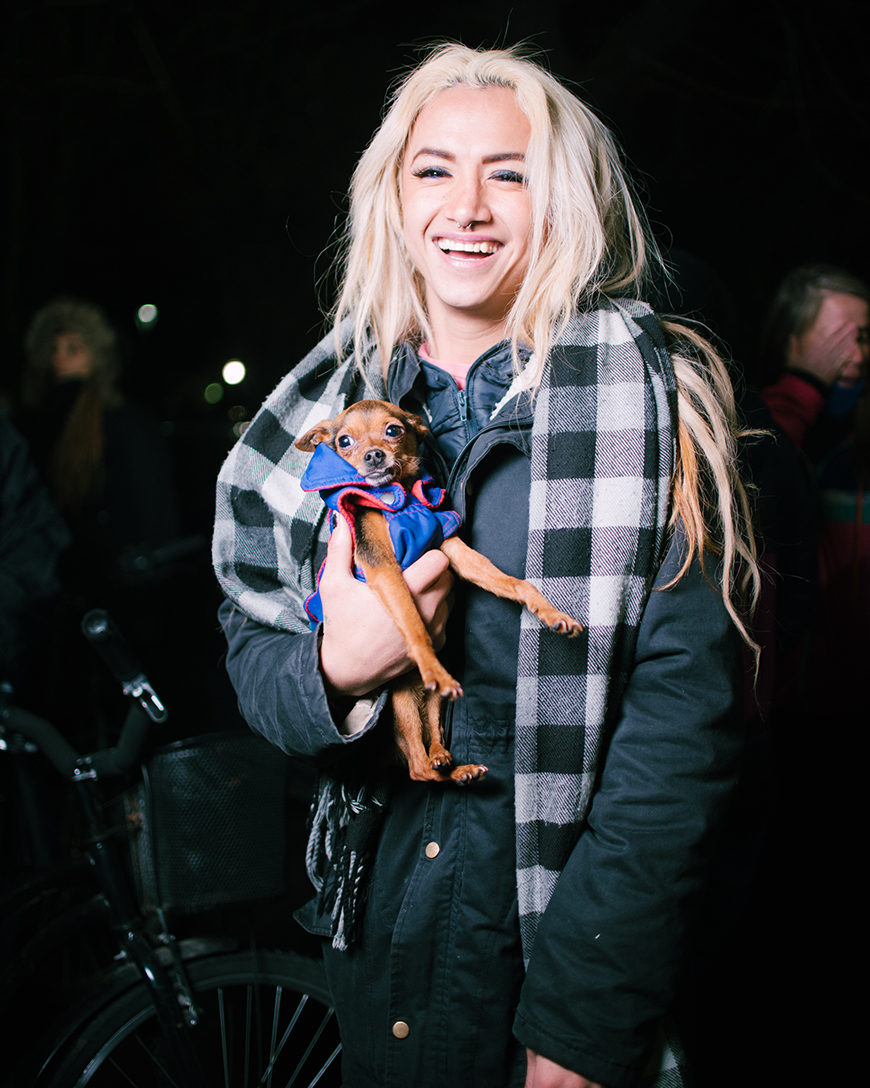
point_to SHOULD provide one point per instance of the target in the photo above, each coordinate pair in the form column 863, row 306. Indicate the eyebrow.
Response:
column 500, row 156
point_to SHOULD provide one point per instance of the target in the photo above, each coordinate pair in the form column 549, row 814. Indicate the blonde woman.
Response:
column 525, row 930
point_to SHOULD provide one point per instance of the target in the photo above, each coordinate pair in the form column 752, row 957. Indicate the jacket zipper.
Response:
column 462, row 398
column 463, row 456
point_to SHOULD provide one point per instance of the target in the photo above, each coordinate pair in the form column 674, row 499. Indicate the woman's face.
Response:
column 467, row 214
column 71, row 358
column 837, row 344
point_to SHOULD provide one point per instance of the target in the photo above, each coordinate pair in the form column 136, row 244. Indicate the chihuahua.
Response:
column 380, row 441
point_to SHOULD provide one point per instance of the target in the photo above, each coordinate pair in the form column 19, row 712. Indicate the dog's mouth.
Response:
column 380, row 477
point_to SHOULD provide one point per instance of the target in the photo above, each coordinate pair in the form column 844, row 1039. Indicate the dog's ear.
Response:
column 320, row 432
column 414, row 423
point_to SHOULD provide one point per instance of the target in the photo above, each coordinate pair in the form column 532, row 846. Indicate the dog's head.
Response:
column 379, row 439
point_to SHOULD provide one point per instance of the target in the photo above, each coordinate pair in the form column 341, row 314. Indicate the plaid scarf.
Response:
column 601, row 462
column 602, row 457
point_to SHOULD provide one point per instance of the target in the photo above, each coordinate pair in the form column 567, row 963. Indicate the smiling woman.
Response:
column 527, row 929
column 467, row 215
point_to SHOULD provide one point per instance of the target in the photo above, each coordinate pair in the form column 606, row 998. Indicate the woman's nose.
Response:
column 467, row 204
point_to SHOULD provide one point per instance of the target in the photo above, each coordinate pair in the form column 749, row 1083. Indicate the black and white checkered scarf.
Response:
column 602, row 458
column 601, row 463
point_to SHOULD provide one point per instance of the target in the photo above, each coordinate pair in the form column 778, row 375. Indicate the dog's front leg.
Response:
column 374, row 553
column 480, row 571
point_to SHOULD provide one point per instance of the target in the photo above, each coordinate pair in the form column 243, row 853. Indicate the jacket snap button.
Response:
column 401, row 1029
column 432, row 850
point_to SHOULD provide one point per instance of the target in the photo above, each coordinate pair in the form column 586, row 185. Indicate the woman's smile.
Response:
column 466, row 246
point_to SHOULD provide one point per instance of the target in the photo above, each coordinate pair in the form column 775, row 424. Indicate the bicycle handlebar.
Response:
column 50, row 741
column 65, row 758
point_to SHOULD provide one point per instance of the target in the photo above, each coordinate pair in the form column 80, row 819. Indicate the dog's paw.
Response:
column 439, row 758
column 437, row 678
column 561, row 622
column 468, row 772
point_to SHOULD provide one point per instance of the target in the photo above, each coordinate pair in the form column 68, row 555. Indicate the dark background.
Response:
column 195, row 155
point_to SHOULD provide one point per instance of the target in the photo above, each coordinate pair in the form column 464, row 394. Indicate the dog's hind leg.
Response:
column 439, row 757
column 409, row 729
column 417, row 722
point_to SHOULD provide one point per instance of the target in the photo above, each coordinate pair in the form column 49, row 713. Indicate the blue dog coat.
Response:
column 416, row 524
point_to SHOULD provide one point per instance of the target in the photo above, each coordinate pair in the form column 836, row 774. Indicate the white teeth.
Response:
column 448, row 246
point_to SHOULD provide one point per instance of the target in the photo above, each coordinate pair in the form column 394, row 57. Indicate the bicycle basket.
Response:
column 209, row 823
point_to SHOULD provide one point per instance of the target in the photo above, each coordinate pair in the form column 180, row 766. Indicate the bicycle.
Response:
column 114, row 993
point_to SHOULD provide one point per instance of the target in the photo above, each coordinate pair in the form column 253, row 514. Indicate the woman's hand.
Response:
column 542, row 1073
column 825, row 349
column 362, row 648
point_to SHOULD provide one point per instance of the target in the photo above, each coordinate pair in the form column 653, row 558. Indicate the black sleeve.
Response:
column 277, row 678
column 604, row 967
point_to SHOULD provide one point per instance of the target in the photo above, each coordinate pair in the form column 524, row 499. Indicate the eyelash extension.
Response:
column 430, row 171
column 440, row 172
column 510, row 175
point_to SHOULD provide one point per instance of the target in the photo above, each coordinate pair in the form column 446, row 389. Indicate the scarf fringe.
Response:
column 346, row 821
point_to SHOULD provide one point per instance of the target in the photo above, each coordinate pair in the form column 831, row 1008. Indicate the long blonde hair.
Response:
column 589, row 238
column 588, row 234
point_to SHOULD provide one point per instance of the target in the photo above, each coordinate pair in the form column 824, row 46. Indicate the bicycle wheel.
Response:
column 265, row 1019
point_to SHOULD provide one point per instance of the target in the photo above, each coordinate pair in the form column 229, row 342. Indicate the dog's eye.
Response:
column 394, row 430
column 344, row 441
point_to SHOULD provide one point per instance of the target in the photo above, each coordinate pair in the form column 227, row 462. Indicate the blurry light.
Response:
column 213, row 393
column 237, row 412
column 240, row 428
column 233, row 372
column 146, row 315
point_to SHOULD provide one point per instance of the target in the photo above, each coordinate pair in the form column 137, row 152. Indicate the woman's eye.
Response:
column 431, row 172
column 510, row 175
column 394, row 430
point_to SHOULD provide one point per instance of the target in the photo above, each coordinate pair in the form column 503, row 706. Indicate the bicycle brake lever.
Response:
column 100, row 630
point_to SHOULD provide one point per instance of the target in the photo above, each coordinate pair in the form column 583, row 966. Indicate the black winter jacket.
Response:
column 436, row 993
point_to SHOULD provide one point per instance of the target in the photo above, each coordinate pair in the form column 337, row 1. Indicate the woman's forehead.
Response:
column 492, row 112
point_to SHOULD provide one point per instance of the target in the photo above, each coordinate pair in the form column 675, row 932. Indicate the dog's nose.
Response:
column 373, row 458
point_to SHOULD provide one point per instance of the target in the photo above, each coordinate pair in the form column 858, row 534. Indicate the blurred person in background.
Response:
column 101, row 455
column 109, row 472
column 817, row 333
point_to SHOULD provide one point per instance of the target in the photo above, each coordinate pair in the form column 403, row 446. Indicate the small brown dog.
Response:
column 380, row 441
